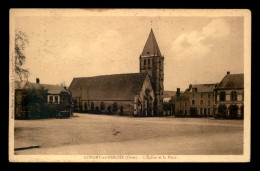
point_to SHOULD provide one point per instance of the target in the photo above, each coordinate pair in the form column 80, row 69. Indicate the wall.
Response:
column 196, row 96
column 205, row 97
column 128, row 106
column 239, row 103
column 180, row 107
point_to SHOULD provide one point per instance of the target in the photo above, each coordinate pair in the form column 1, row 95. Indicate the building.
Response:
column 137, row 93
column 54, row 96
column 132, row 93
column 182, row 103
column 197, row 100
column 229, row 96
column 152, row 62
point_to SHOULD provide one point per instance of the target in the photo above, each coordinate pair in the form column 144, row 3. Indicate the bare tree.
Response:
column 21, row 40
column 63, row 84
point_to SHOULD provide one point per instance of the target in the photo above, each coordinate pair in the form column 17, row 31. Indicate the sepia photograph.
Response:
column 129, row 85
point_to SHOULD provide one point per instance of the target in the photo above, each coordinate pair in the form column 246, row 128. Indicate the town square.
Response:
column 87, row 134
column 99, row 83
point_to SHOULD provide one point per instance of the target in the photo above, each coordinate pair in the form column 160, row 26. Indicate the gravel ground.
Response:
column 102, row 134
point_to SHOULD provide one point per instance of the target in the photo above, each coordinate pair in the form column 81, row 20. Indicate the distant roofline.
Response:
column 236, row 74
column 111, row 74
column 44, row 84
column 206, row 84
column 229, row 88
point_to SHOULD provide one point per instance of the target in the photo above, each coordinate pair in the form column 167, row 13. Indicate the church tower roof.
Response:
column 151, row 47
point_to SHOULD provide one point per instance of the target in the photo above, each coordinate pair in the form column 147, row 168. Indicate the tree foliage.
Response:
column 37, row 95
column 21, row 39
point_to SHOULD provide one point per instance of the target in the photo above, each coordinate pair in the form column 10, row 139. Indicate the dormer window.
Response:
column 147, row 53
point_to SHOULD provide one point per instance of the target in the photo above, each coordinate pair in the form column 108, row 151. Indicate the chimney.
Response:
column 190, row 86
column 178, row 93
column 37, row 80
column 228, row 72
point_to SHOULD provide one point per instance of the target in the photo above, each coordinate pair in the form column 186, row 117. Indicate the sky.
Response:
column 197, row 50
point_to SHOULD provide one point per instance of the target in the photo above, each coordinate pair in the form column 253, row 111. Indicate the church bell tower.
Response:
column 151, row 62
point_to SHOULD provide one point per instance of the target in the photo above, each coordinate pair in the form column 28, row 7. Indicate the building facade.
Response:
column 197, row 100
column 128, row 94
column 229, row 96
column 152, row 62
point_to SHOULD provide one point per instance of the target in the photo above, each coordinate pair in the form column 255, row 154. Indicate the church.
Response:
column 137, row 94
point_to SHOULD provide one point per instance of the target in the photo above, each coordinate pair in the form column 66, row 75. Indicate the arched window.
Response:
column 233, row 96
column 144, row 61
column 222, row 96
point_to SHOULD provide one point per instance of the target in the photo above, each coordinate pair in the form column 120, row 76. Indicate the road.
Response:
column 84, row 134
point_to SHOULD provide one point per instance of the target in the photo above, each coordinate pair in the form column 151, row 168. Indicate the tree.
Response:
column 34, row 101
column 102, row 106
column 92, row 107
column 21, row 40
column 166, row 107
column 114, row 107
column 109, row 110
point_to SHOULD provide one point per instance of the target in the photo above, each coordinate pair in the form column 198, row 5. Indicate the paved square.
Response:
column 84, row 134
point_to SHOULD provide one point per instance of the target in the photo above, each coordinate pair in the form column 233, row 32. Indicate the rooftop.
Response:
column 151, row 47
column 108, row 87
column 232, row 81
